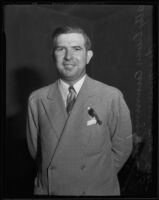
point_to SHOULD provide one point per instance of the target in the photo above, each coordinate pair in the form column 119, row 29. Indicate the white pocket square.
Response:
column 91, row 121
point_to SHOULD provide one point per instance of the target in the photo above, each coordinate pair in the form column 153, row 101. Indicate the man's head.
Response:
column 72, row 52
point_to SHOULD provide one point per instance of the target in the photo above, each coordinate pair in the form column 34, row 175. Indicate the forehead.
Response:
column 70, row 38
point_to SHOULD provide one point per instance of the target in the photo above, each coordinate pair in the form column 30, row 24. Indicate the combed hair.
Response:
column 70, row 29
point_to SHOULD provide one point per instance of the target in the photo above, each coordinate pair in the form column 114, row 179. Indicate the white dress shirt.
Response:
column 63, row 86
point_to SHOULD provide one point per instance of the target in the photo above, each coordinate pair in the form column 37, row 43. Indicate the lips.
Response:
column 69, row 64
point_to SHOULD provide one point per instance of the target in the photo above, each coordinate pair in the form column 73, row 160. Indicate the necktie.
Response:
column 71, row 97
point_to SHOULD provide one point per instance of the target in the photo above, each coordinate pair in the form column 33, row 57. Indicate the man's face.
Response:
column 71, row 56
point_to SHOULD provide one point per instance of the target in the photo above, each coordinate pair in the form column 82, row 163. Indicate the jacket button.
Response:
column 83, row 193
column 53, row 167
column 83, row 166
column 53, row 193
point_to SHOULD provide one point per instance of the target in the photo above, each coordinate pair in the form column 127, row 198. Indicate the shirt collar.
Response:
column 64, row 86
column 77, row 86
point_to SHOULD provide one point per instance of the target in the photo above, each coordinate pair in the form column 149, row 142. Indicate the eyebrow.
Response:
column 77, row 46
column 71, row 46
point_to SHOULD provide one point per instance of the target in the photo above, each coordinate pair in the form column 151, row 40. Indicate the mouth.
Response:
column 68, row 65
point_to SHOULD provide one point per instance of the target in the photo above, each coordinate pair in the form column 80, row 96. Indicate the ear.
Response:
column 52, row 54
column 89, row 55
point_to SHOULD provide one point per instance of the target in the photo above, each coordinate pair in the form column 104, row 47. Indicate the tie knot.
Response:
column 71, row 89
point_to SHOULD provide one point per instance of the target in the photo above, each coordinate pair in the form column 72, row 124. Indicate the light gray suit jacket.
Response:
column 75, row 158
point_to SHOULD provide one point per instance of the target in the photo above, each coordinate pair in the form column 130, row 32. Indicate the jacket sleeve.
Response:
column 32, row 127
column 121, row 131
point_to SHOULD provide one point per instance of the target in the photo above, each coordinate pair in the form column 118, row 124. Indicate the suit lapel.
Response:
column 79, row 114
column 86, row 93
column 55, row 109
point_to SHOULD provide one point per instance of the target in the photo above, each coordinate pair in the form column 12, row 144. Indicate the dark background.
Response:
column 122, row 45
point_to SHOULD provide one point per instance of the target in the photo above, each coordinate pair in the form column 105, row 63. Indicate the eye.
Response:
column 77, row 48
column 59, row 49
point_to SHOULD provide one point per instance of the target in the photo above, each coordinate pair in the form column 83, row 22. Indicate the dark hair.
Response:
column 71, row 29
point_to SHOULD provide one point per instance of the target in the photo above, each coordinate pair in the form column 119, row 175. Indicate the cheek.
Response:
column 59, row 60
column 82, row 60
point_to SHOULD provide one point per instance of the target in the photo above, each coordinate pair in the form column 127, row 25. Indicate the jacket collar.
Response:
column 87, row 88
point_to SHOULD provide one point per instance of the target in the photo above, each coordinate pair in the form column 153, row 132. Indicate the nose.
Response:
column 68, row 54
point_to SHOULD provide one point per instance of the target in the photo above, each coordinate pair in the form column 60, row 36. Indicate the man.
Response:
column 79, row 137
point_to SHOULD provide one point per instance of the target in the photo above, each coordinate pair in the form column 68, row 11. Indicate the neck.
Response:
column 72, row 82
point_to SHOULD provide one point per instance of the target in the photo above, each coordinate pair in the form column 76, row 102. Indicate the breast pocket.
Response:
column 95, row 138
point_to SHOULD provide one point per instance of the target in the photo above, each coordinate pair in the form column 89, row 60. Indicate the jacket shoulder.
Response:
column 107, row 89
column 40, row 93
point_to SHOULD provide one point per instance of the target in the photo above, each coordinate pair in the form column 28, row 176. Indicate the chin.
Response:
column 68, row 75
